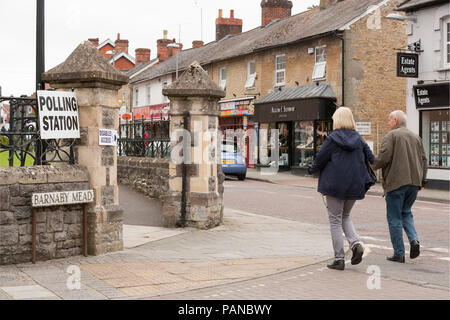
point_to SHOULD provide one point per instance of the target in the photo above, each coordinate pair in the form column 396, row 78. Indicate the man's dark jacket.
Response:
column 342, row 165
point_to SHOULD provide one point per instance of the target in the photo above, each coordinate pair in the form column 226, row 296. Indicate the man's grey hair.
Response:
column 400, row 116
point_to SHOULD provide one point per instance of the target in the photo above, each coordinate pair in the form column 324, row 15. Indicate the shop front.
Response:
column 236, row 118
column 302, row 117
column 433, row 105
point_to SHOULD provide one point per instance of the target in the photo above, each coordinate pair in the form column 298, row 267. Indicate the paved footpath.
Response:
column 248, row 257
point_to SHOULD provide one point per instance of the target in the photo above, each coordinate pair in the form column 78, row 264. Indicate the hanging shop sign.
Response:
column 407, row 65
column 237, row 108
column 58, row 115
column 434, row 95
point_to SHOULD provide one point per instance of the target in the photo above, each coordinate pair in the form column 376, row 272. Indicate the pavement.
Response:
column 249, row 257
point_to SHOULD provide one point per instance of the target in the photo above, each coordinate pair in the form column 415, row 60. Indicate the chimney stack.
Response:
column 197, row 44
column 142, row 55
column 226, row 26
column 95, row 41
column 275, row 9
column 121, row 45
column 163, row 52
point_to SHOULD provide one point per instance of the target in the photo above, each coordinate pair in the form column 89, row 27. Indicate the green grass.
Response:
column 4, row 160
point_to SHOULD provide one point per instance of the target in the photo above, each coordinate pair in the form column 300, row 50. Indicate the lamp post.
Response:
column 40, row 44
column 175, row 46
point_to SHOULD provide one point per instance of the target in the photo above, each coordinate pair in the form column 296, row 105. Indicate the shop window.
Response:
column 251, row 75
column 223, row 78
column 283, row 129
column 320, row 63
column 435, row 136
column 280, row 70
column 304, row 143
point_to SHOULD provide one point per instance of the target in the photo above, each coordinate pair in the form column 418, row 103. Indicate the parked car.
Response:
column 233, row 161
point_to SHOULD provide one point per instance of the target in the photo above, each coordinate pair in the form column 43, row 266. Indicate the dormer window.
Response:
column 320, row 65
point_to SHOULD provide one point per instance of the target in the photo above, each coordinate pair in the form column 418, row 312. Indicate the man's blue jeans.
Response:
column 399, row 204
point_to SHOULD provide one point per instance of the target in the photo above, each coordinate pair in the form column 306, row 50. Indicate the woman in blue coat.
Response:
column 344, row 179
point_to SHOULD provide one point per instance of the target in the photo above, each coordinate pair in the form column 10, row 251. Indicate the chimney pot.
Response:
column 231, row 14
column 220, row 13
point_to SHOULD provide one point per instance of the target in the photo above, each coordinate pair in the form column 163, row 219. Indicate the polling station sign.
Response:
column 58, row 115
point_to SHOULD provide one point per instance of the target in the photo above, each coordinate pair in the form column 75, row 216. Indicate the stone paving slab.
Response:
column 135, row 236
column 28, row 292
column 314, row 282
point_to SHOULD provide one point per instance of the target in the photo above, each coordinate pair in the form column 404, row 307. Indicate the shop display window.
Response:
column 304, row 143
column 436, row 136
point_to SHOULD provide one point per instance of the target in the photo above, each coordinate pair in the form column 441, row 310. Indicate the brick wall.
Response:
column 59, row 229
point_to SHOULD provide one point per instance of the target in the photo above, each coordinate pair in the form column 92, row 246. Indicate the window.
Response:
column 136, row 98
column 436, row 137
column 223, row 78
column 447, row 43
column 251, row 75
column 280, row 70
column 320, row 63
column 148, row 95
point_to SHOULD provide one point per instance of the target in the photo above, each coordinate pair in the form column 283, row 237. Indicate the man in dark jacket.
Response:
column 404, row 163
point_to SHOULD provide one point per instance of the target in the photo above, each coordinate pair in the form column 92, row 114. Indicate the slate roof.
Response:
column 412, row 5
column 294, row 29
column 139, row 67
column 310, row 91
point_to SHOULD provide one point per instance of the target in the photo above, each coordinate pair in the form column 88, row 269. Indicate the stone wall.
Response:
column 59, row 229
column 149, row 176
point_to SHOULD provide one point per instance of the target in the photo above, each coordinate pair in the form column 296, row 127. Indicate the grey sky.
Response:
column 142, row 22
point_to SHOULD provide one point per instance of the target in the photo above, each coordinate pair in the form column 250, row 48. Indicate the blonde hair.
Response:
column 343, row 119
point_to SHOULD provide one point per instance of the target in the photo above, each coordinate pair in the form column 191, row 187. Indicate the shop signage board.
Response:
column 237, row 108
column 108, row 137
column 58, row 115
column 364, row 128
column 435, row 95
column 408, row 65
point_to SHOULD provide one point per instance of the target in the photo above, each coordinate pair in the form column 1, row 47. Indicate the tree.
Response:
column 313, row 6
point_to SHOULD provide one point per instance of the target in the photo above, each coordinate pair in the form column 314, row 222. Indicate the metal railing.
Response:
column 20, row 142
column 145, row 138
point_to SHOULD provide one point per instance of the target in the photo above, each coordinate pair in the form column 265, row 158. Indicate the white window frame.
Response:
column 446, row 42
column 251, row 77
column 321, row 66
column 149, row 94
column 280, row 71
column 222, row 79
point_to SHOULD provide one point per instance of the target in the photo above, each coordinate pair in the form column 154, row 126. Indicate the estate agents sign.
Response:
column 408, row 65
column 58, row 115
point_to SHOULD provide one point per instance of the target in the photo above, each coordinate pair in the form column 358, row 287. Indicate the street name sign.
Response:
column 63, row 198
column 58, row 115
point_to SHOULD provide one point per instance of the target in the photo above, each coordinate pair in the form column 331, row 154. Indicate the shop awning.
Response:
column 302, row 103
column 321, row 91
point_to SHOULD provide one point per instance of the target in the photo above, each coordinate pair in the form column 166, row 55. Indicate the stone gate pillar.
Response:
column 194, row 106
column 96, row 84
